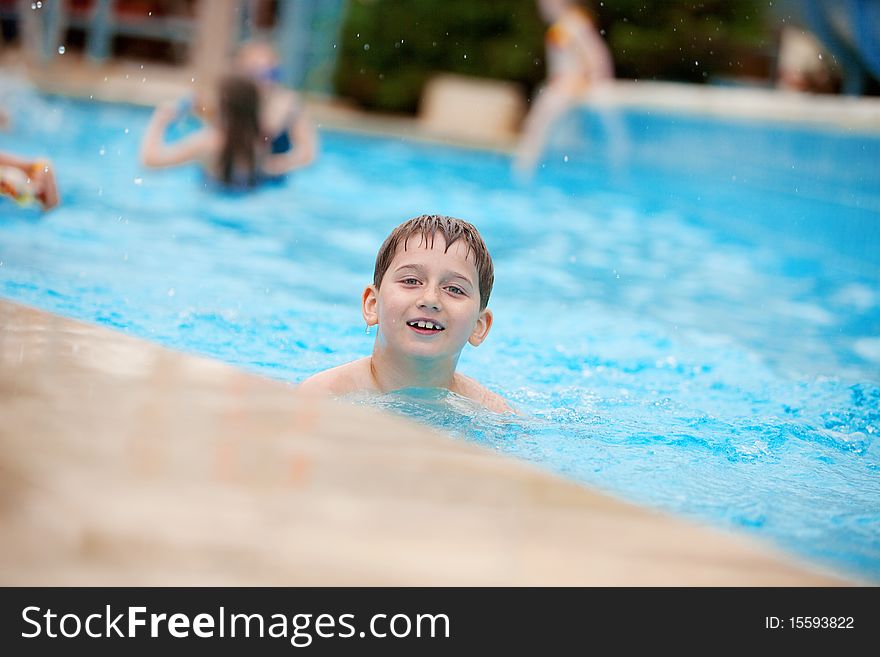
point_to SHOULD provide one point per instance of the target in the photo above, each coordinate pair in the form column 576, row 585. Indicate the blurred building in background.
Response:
column 198, row 34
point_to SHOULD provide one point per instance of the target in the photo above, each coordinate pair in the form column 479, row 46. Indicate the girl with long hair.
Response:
column 231, row 148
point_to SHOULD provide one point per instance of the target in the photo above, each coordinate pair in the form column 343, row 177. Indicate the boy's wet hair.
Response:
column 427, row 226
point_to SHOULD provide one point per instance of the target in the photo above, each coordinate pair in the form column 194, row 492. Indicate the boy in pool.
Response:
column 431, row 285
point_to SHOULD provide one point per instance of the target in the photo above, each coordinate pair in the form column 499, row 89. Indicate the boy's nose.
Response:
column 429, row 298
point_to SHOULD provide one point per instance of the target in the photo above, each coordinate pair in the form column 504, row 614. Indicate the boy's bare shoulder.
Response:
column 340, row 380
column 472, row 389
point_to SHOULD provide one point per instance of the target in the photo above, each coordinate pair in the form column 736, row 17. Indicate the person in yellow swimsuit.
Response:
column 578, row 62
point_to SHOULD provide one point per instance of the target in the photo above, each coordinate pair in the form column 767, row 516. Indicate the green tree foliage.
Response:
column 390, row 48
column 687, row 40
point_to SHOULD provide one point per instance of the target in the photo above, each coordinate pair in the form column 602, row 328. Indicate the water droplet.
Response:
column 170, row 291
column 60, row 50
column 102, row 151
column 126, row 131
column 138, row 181
column 465, row 56
column 565, row 158
column 366, row 46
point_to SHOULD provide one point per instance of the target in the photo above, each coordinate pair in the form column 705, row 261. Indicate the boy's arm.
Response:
column 471, row 389
column 319, row 383
column 340, row 380
column 497, row 403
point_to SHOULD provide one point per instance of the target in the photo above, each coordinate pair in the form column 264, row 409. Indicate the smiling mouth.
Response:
column 426, row 326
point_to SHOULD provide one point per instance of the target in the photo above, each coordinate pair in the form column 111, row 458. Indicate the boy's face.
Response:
column 428, row 304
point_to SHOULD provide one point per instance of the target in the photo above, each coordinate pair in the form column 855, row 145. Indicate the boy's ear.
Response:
column 481, row 330
column 369, row 305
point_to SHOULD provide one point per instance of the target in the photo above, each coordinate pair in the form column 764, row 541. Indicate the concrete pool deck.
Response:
column 125, row 463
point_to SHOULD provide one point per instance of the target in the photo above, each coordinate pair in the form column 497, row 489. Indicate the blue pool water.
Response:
column 691, row 322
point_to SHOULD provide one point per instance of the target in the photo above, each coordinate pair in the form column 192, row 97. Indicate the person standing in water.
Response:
column 578, row 62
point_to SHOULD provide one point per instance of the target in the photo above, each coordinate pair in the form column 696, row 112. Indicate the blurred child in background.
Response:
column 231, row 148
column 578, row 61
column 283, row 117
column 28, row 181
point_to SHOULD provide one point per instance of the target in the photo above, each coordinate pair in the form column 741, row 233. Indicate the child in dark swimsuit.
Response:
column 231, row 149
column 283, row 118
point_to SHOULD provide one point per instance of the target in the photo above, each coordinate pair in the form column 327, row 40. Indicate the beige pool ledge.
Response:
column 125, row 463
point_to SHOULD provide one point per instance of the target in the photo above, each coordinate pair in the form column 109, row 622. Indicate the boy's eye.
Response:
column 455, row 289
column 410, row 281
